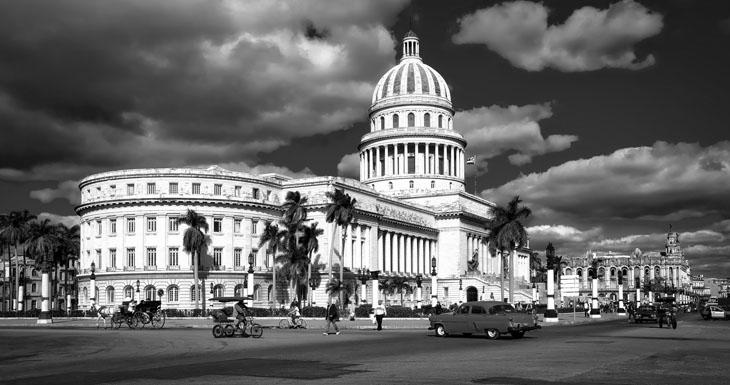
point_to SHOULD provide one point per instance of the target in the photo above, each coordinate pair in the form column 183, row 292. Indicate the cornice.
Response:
column 88, row 207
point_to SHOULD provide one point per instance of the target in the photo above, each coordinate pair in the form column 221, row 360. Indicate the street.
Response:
column 613, row 352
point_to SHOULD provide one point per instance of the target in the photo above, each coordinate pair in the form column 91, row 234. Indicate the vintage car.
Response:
column 647, row 313
column 492, row 318
column 717, row 312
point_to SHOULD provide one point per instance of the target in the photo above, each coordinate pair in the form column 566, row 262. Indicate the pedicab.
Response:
column 667, row 312
column 225, row 323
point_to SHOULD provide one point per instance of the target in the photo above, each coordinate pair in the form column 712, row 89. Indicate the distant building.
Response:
column 30, row 281
column 667, row 268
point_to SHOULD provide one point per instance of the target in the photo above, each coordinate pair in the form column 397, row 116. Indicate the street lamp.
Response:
column 138, row 289
column 434, row 283
column 433, row 266
column 249, row 285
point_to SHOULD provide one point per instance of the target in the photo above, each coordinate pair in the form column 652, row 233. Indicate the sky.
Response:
column 610, row 119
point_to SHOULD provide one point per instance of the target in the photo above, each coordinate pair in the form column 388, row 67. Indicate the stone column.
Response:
column 595, row 312
column 426, row 154
column 375, row 285
column 388, row 256
column 21, row 296
column 347, row 250
column 380, row 256
column 551, row 315
column 407, row 254
column 45, row 316
column 387, row 160
column 621, row 309
column 377, row 162
column 638, row 297
column 357, row 252
column 363, row 291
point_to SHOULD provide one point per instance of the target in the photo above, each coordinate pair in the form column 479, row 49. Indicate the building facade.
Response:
column 666, row 269
column 413, row 217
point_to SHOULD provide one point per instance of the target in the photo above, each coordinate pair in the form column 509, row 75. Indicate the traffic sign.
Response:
column 569, row 285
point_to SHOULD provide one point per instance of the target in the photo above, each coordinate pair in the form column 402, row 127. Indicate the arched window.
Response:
column 128, row 293
column 395, row 120
column 613, row 273
column 580, row 273
column 657, row 272
column 449, row 124
column 568, row 271
column 173, row 293
column 218, row 291
column 110, row 295
column 257, row 293
column 433, row 184
column 390, row 185
column 411, row 119
column 625, row 273
column 601, row 273
column 441, row 121
column 193, row 295
column 150, row 294
column 382, row 122
column 238, row 291
column 372, row 125
column 34, row 273
column 269, row 294
column 410, row 184
column 427, row 120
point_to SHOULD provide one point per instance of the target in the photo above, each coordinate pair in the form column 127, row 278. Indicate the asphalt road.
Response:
column 603, row 353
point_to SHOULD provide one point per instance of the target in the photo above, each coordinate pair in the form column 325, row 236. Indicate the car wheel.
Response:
column 519, row 334
column 440, row 331
column 492, row 334
column 218, row 331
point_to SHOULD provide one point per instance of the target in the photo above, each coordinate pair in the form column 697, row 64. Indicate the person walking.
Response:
column 332, row 316
column 379, row 314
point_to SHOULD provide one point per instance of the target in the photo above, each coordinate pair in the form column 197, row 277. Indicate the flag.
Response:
column 471, row 160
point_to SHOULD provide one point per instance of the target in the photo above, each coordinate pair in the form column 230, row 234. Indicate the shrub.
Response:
column 363, row 311
column 401, row 312
column 313, row 311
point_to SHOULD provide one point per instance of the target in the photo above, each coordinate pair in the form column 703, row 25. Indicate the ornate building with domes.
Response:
column 413, row 217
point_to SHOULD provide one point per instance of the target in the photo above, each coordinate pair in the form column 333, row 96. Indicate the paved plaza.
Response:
column 609, row 352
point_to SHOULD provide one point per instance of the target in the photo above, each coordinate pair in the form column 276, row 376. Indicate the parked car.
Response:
column 492, row 318
column 717, row 312
column 647, row 313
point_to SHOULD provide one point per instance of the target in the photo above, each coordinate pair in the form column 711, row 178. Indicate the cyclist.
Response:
column 294, row 313
column 239, row 310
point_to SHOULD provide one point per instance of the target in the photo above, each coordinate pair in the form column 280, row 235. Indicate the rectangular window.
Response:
column 130, row 257
column 151, row 224
column 237, row 226
column 196, row 188
column 130, row 189
column 254, row 227
column 151, row 188
column 113, row 226
column 217, row 256
column 237, row 191
column 130, row 225
column 173, row 226
column 173, row 253
column 237, row 257
column 151, row 256
column 98, row 228
column 268, row 195
column 446, row 292
column 218, row 189
column 113, row 188
column 33, row 288
column 98, row 259
column 217, row 225
column 33, row 304
column 173, row 188
column 255, row 193
column 113, row 257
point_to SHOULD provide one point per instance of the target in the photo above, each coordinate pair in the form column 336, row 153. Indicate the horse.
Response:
column 102, row 313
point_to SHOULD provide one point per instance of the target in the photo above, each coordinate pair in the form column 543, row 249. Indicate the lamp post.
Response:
column 251, row 260
column 434, row 283
column 138, row 297
column 551, row 315
column 621, row 309
column 92, row 283
column 637, row 285
column 461, row 292
column 419, row 291
column 363, row 275
column 534, row 294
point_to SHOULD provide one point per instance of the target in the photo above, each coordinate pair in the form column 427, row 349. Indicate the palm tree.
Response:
column 194, row 240
column 340, row 212
column 15, row 232
column 337, row 288
column 272, row 237
column 43, row 242
column 395, row 285
column 311, row 242
column 3, row 246
column 69, row 249
column 506, row 232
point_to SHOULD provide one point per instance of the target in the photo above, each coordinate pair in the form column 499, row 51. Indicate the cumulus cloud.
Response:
column 68, row 220
column 561, row 233
column 197, row 83
column 349, row 166
column 68, row 190
column 589, row 39
column 495, row 130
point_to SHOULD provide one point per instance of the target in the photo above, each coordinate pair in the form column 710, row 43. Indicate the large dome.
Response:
column 411, row 77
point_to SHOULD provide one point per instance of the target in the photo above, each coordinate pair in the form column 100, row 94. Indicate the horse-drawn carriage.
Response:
column 226, row 324
column 140, row 315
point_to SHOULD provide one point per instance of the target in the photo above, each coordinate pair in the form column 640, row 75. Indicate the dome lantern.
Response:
column 411, row 49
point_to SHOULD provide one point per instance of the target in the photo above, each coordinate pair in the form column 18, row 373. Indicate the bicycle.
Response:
column 286, row 323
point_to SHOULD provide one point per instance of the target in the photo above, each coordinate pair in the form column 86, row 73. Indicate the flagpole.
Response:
column 473, row 161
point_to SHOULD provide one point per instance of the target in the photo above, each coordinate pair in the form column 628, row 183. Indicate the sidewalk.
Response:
column 565, row 319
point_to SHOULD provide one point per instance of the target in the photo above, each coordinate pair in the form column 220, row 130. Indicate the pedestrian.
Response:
column 379, row 314
column 587, row 308
column 438, row 307
column 332, row 317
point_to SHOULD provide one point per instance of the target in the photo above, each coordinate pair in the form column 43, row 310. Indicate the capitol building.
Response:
column 413, row 217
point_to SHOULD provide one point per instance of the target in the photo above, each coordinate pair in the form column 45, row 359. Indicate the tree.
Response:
column 538, row 271
column 272, row 237
column 311, row 234
column 194, row 242
column 397, row 285
column 340, row 212
column 336, row 288
column 43, row 242
column 69, row 248
column 506, row 232
column 15, row 232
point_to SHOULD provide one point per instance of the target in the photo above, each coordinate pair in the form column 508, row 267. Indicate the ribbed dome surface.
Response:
column 411, row 77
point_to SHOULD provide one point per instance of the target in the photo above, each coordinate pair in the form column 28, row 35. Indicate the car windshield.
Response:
column 506, row 308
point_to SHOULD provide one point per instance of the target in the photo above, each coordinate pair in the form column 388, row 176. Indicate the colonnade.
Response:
column 355, row 246
column 429, row 158
column 404, row 253
column 644, row 273
column 477, row 247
